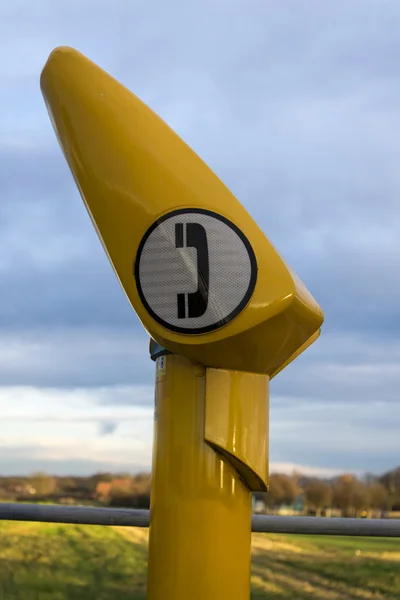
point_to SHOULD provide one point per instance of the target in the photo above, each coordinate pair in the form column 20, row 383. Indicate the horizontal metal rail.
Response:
column 326, row 526
column 122, row 517
column 78, row 515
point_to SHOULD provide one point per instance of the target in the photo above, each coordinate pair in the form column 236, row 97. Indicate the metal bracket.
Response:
column 156, row 350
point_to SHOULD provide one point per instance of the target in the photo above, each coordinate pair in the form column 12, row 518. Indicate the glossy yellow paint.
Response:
column 131, row 169
column 302, row 348
column 200, row 526
column 237, row 415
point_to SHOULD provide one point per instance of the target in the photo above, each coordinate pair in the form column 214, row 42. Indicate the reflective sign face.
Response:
column 195, row 271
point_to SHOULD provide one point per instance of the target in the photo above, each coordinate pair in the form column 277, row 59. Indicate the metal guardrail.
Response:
column 78, row 515
column 121, row 517
column 326, row 526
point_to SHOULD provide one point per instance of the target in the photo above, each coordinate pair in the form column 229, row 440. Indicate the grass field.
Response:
column 68, row 562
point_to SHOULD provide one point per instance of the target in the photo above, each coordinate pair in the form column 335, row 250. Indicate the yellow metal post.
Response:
column 200, row 528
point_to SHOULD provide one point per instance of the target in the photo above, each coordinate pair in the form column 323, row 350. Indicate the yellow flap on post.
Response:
column 237, row 422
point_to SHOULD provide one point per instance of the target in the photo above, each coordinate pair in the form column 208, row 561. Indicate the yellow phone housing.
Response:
column 203, row 278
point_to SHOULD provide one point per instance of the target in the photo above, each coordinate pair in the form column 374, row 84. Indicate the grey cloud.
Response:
column 107, row 427
column 138, row 395
column 75, row 358
column 24, row 460
column 72, row 295
column 338, row 405
column 342, row 369
column 356, row 435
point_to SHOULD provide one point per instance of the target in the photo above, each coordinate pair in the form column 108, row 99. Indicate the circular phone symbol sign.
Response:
column 195, row 271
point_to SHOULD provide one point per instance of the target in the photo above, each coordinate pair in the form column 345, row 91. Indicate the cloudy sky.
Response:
column 296, row 106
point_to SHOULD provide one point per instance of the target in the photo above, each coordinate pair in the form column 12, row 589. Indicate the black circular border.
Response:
column 238, row 309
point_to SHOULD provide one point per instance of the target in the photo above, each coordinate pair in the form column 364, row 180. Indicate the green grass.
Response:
column 68, row 562
column 327, row 567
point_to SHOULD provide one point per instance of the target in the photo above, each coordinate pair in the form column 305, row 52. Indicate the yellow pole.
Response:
column 200, row 529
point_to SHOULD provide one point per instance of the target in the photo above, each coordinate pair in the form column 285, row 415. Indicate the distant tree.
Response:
column 391, row 477
column 275, row 491
column 43, row 484
column 102, row 491
column 66, row 483
column 317, row 494
column 122, row 487
column 350, row 494
column 378, row 495
column 97, row 478
column 129, row 492
column 391, row 481
column 142, row 477
column 369, row 478
column 360, row 498
column 283, row 489
column 290, row 488
column 102, row 476
column 12, row 484
column 142, row 483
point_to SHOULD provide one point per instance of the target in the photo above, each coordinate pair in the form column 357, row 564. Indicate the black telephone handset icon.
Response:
column 197, row 302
